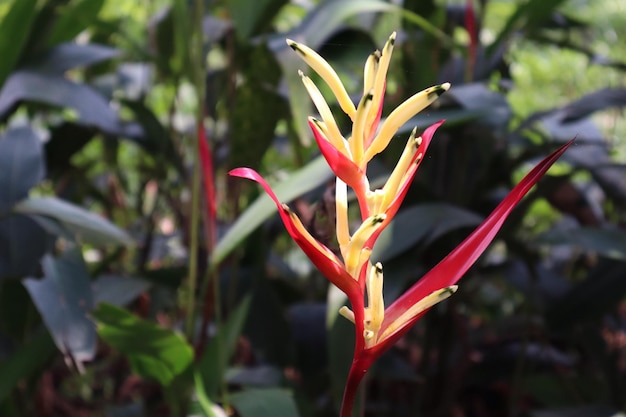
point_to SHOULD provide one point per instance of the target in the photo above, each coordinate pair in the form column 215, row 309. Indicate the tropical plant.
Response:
column 138, row 278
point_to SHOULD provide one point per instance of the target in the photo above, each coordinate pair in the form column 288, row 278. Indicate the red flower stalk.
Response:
column 378, row 328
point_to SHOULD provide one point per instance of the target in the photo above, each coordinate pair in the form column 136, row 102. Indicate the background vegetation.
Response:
column 137, row 279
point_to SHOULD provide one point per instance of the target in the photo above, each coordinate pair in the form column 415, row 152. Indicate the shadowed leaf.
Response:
column 63, row 298
column 87, row 227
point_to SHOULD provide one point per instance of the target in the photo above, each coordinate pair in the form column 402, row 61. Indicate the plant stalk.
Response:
column 196, row 73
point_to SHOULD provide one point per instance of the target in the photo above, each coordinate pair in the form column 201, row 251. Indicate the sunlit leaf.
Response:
column 75, row 17
column 14, row 32
column 153, row 351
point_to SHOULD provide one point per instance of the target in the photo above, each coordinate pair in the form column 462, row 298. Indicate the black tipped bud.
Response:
column 436, row 92
column 378, row 219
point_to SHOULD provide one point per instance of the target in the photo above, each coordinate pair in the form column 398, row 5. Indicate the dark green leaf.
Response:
column 92, row 108
column 153, row 351
column 602, row 290
column 256, row 111
column 67, row 56
column 22, row 244
column 156, row 139
column 251, row 17
column 180, row 62
column 528, row 16
column 66, row 139
column 477, row 96
column 255, row 376
column 212, row 367
column 417, row 223
column 24, row 362
column 74, row 18
column 134, row 409
column 267, row 328
column 578, row 411
column 63, row 298
column 21, row 165
column 553, row 390
column 265, row 402
column 118, row 290
column 88, row 227
column 14, row 32
column 610, row 243
column 16, row 309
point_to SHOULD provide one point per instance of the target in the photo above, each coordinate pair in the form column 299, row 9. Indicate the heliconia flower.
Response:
column 348, row 158
column 378, row 328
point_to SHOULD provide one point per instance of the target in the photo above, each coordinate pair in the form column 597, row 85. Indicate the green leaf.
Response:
column 182, row 30
column 87, row 227
column 24, row 362
column 552, row 390
column 153, row 351
column 257, row 108
column 14, row 32
column 601, row 291
column 53, row 89
column 118, row 290
column 610, row 243
column 67, row 56
column 63, row 298
column 203, row 403
column 249, row 17
column 21, row 165
column 307, row 178
column 212, row 368
column 527, row 16
column 74, row 18
column 265, row 402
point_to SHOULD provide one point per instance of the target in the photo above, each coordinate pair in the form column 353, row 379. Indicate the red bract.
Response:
column 206, row 165
column 445, row 274
column 322, row 257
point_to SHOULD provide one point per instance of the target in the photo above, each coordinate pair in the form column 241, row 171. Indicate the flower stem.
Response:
column 196, row 74
column 360, row 365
